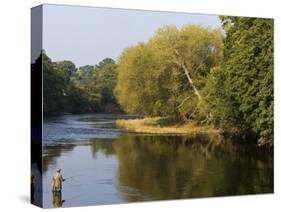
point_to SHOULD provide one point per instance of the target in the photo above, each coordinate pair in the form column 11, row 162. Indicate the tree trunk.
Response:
column 191, row 82
column 181, row 62
column 178, row 59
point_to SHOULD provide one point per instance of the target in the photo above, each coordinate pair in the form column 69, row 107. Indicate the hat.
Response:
column 58, row 170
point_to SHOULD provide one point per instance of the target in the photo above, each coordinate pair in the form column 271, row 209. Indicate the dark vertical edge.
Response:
column 36, row 106
column 273, row 152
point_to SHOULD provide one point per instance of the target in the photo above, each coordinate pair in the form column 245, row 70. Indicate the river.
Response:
column 105, row 165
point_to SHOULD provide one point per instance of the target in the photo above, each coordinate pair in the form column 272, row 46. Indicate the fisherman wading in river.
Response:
column 57, row 181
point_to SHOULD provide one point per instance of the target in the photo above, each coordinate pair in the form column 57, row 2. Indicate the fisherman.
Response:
column 57, row 181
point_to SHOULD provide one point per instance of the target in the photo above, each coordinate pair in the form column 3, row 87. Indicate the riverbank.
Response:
column 160, row 125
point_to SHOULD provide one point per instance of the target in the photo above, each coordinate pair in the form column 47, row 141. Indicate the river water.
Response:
column 105, row 165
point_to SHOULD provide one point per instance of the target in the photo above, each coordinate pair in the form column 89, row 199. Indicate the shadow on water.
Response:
column 136, row 167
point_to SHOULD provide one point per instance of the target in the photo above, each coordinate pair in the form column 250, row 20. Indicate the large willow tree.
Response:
column 165, row 76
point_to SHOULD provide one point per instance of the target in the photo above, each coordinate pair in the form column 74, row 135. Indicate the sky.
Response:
column 87, row 35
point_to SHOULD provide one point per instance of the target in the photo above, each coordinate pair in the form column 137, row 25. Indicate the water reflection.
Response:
column 177, row 167
column 161, row 168
column 51, row 152
column 135, row 167
column 105, row 146
column 57, row 199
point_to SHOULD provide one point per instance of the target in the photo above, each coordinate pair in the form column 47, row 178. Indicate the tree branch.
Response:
column 183, row 101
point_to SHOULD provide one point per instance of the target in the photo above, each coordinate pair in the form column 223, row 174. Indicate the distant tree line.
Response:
column 87, row 89
column 222, row 78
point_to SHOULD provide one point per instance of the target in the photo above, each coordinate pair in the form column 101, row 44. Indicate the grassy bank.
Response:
column 160, row 125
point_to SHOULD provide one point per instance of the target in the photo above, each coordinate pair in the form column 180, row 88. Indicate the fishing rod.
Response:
column 74, row 176
column 71, row 177
column 67, row 178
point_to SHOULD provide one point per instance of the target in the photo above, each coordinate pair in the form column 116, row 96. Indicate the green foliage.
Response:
column 103, row 82
column 142, row 85
column 87, row 89
column 156, row 83
column 241, row 90
column 54, row 83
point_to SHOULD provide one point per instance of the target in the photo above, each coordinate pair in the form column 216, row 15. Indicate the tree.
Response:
column 165, row 74
column 103, row 81
column 66, row 67
column 95, row 84
column 246, row 77
column 88, row 89
column 53, row 86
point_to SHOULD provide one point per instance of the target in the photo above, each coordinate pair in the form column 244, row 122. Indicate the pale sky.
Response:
column 86, row 35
